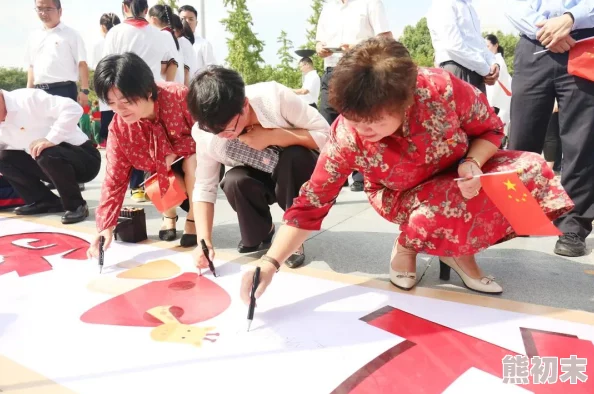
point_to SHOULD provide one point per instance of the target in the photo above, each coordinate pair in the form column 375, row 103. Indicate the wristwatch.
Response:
column 85, row 91
column 271, row 260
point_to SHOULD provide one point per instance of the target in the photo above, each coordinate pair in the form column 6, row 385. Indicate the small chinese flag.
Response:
column 515, row 202
column 581, row 59
column 505, row 90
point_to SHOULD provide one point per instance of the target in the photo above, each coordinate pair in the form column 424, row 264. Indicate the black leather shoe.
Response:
column 357, row 187
column 241, row 248
column 80, row 214
column 296, row 259
column 40, row 207
column 570, row 245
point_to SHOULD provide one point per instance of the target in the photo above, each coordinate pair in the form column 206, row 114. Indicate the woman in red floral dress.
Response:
column 150, row 130
column 411, row 131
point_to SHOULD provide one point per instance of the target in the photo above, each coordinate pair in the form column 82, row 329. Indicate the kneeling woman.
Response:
column 150, row 130
column 412, row 131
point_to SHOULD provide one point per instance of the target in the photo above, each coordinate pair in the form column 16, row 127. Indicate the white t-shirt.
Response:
column 95, row 58
column 204, row 53
column 190, row 59
column 178, row 56
column 148, row 42
column 55, row 54
column 33, row 114
column 311, row 82
column 497, row 95
column 350, row 23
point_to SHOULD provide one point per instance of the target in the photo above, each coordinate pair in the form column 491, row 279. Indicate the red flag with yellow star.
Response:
column 516, row 203
column 581, row 59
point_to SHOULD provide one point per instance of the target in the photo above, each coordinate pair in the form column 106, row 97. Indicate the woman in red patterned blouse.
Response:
column 411, row 131
column 150, row 130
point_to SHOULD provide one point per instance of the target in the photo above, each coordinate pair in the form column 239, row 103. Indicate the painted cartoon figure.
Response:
column 175, row 332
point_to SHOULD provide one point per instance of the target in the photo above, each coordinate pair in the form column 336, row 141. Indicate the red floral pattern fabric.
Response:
column 409, row 177
column 144, row 146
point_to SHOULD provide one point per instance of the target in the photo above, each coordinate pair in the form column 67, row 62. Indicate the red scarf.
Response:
column 167, row 29
column 136, row 22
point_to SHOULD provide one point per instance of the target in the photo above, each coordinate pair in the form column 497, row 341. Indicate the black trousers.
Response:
column 63, row 165
column 137, row 176
column 328, row 112
column 69, row 91
column 106, row 118
column 472, row 77
column 552, row 144
column 251, row 192
column 538, row 81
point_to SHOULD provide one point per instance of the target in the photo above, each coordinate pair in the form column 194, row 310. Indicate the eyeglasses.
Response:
column 209, row 130
column 45, row 10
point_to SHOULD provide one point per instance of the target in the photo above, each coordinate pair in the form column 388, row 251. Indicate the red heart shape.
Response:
column 193, row 299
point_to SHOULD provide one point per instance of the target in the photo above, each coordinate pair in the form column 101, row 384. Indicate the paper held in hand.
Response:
column 174, row 196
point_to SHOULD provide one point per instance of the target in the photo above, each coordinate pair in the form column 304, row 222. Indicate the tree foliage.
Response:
column 287, row 73
column 245, row 49
column 312, row 21
column 508, row 42
column 12, row 78
column 418, row 41
column 170, row 3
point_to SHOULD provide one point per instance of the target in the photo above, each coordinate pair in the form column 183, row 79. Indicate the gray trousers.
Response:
column 472, row 77
column 538, row 81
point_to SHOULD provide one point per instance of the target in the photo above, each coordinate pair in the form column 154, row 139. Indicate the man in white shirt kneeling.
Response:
column 42, row 142
column 268, row 135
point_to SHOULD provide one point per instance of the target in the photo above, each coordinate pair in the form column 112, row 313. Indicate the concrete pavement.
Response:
column 356, row 240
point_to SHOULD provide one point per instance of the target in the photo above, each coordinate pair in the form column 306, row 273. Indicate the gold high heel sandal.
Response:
column 486, row 284
column 403, row 279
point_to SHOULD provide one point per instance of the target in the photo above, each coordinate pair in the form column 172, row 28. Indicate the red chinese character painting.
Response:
column 26, row 253
column 151, row 324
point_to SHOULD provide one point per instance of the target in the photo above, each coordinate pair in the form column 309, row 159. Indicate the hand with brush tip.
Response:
column 93, row 251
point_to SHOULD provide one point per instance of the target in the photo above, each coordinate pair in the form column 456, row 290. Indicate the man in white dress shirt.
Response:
column 204, row 52
column 310, row 89
column 42, row 142
column 459, row 45
column 268, row 135
column 343, row 24
column 56, row 55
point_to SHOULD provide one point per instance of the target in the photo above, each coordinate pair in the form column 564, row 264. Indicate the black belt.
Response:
column 48, row 86
column 451, row 62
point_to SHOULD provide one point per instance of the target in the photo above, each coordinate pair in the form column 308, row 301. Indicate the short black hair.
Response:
column 187, row 8
column 109, row 20
column 306, row 60
column 57, row 4
column 128, row 73
column 216, row 95
column 495, row 41
column 137, row 7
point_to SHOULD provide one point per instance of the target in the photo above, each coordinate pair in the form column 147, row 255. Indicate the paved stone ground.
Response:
column 356, row 240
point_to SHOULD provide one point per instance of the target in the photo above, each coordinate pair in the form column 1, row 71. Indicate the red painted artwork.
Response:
column 433, row 356
column 193, row 299
column 25, row 253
